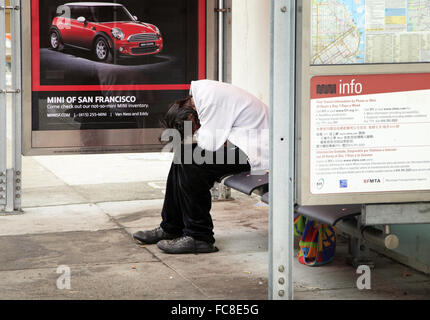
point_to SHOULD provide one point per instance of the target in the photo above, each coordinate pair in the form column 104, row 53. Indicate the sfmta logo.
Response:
column 372, row 180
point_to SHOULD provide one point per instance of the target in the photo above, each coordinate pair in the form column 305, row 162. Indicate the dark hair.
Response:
column 179, row 112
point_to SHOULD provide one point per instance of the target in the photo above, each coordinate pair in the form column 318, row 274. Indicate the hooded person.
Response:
column 228, row 134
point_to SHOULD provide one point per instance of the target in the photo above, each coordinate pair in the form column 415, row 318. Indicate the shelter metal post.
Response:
column 11, row 174
column 3, row 121
column 219, row 191
column 282, row 83
column 16, row 103
column 220, row 40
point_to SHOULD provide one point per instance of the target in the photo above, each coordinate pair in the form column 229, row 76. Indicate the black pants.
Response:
column 188, row 200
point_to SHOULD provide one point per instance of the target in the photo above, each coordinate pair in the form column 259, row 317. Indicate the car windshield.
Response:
column 109, row 14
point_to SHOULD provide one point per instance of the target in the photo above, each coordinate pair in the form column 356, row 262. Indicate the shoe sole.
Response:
column 141, row 241
column 196, row 251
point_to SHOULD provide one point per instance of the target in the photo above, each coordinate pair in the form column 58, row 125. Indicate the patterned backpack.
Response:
column 317, row 244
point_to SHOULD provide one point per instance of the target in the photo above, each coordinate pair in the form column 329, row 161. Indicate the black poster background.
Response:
column 176, row 64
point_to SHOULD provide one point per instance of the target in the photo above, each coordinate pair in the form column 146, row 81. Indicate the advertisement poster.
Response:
column 112, row 65
column 370, row 133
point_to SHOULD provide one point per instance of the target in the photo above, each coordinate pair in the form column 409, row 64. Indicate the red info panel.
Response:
column 354, row 85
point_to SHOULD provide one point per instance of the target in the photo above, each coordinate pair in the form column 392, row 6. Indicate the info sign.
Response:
column 98, row 76
column 363, row 92
column 370, row 133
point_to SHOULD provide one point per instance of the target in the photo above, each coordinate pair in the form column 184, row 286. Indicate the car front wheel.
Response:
column 55, row 41
column 102, row 50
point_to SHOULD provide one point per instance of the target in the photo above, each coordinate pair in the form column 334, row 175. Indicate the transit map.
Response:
column 370, row 31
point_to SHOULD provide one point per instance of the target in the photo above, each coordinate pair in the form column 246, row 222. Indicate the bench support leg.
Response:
column 359, row 253
column 220, row 192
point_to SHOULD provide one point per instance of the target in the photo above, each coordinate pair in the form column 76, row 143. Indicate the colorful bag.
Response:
column 299, row 224
column 317, row 244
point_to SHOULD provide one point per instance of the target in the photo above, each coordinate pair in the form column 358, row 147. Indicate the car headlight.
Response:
column 157, row 30
column 117, row 33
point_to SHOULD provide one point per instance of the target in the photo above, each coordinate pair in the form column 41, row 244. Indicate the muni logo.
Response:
column 344, row 88
column 326, row 88
column 372, row 180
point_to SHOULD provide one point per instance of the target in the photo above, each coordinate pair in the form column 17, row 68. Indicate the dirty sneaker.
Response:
column 186, row 244
column 153, row 236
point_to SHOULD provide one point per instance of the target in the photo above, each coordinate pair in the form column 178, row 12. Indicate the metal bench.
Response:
column 345, row 217
column 330, row 214
column 247, row 183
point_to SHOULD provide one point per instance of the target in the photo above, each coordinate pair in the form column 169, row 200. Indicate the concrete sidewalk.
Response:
column 94, row 240
column 80, row 211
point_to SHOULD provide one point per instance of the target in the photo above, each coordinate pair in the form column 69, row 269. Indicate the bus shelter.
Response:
column 349, row 81
column 350, row 117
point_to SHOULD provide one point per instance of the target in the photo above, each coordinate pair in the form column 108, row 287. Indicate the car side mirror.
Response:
column 136, row 18
column 82, row 19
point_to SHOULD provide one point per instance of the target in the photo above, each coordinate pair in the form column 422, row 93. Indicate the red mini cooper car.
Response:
column 105, row 29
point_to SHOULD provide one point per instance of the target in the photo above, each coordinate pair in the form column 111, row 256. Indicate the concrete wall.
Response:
column 251, row 46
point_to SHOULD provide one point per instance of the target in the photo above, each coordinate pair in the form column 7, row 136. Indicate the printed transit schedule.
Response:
column 370, row 31
column 369, row 133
